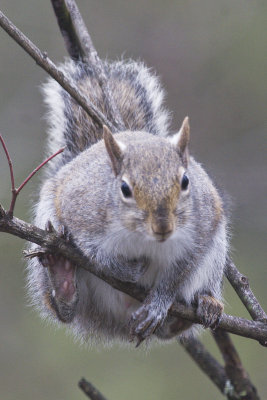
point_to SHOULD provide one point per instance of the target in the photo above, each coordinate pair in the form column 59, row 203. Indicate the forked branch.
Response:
column 241, row 285
column 44, row 62
column 53, row 243
column 15, row 192
column 243, row 387
column 232, row 380
column 210, row 366
column 80, row 47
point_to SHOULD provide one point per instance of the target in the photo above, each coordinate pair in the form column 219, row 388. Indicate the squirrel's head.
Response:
column 152, row 181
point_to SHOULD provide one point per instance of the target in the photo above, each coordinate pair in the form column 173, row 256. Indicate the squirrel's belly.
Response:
column 112, row 301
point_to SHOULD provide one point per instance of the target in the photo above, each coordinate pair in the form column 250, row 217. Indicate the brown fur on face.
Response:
column 155, row 182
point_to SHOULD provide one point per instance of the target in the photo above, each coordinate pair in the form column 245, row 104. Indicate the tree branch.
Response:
column 72, row 41
column 90, row 390
column 80, row 46
column 10, row 164
column 54, row 243
column 44, row 62
column 241, row 285
column 15, row 192
column 234, row 369
column 210, row 366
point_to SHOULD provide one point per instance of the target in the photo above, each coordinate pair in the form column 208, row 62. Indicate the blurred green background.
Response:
column 212, row 59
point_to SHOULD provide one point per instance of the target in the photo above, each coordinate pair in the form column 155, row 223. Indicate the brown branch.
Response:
column 78, row 40
column 52, row 242
column 241, row 285
column 13, row 189
column 72, row 42
column 210, row 366
column 234, row 369
column 39, row 167
column 80, row 46
column 15, row 192
column 75, row 24
column 44, row 62
column 90, row 390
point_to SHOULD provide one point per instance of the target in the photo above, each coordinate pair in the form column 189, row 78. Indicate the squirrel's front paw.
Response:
column 63, row 291
column 210, row 311
column 145, row 321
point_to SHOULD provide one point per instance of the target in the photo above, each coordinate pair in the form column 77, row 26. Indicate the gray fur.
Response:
column 82, row 193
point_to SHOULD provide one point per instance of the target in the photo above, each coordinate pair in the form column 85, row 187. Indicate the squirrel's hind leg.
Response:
column 63, row 295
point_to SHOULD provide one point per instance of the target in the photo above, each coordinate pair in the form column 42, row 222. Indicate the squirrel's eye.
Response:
column 185, row 182
column 126, row 191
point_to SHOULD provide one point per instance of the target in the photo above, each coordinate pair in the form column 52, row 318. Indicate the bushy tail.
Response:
column 136, row 94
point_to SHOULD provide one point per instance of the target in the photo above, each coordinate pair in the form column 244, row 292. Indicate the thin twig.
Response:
column 13, row 189
column 78, row 39
column 234, row 368
column 39, row 167
column 210, row 366
column 44, row 62
column 90, row 390
column 15, row 192
column 54, row 243
column 241, row 285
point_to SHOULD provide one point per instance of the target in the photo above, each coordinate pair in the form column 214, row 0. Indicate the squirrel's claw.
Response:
column 49, row 227
column 64, row 234
column 210, row 310
column 62, row 230
column 145, row 321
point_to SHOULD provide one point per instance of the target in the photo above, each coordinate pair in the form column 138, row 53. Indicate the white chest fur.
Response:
column 160, row 255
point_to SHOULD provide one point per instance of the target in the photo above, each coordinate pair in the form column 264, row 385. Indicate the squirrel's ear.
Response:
column 114, row 149
column 181, row 139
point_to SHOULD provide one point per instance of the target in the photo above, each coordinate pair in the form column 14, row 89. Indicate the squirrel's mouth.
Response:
column 162, row 236
column 162, row 228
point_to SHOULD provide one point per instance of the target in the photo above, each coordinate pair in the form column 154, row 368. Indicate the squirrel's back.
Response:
column 136, row 93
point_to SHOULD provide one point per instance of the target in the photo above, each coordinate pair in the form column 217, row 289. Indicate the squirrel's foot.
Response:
column 62, row 231
column 62, row 275
column 210, row 310
column 145, row 321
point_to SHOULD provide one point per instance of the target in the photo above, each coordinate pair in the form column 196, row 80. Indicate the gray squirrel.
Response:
column 137, row 203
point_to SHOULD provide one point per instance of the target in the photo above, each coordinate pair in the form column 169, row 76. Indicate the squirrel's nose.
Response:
column 162, row 230
column 162, row 223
